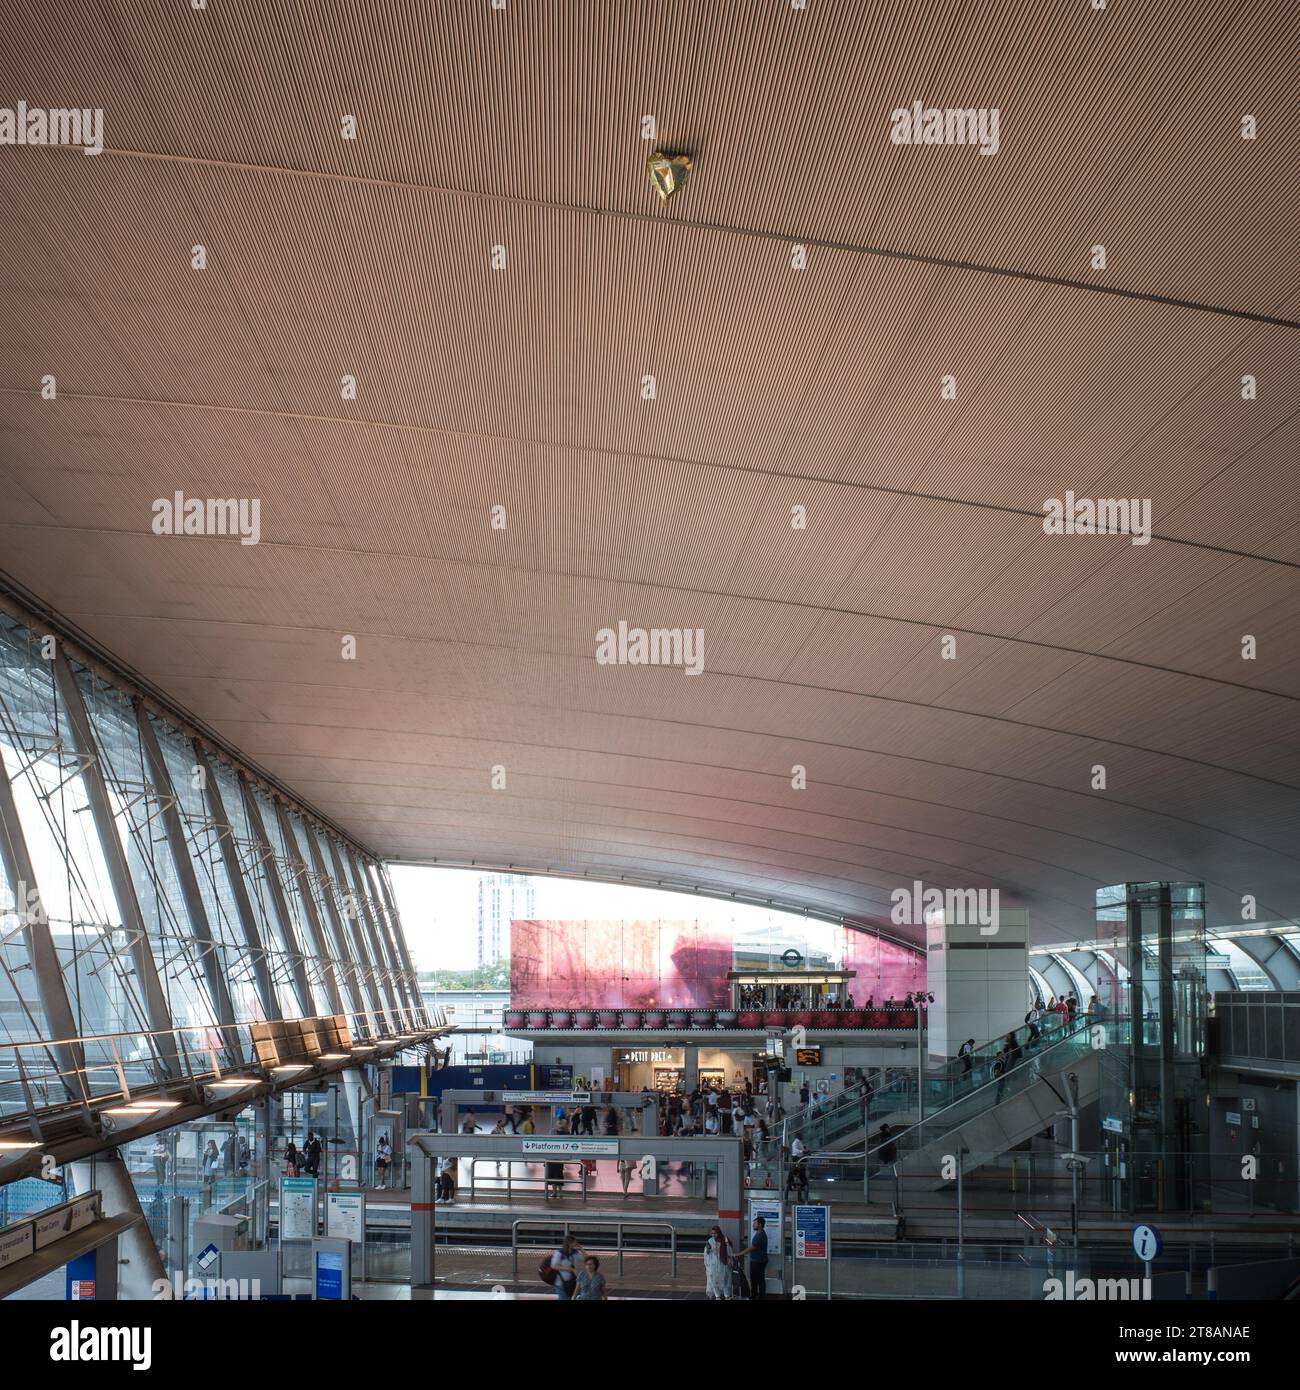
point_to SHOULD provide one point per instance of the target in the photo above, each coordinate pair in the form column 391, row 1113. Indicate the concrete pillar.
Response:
column 690, row 1068
column 731, row 1197
column 351, row 1092
column 139, row 1264
column 980, row 982
column 423, row 1178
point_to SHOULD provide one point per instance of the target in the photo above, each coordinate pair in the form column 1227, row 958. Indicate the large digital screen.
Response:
column 680, row 964
column 628, row 964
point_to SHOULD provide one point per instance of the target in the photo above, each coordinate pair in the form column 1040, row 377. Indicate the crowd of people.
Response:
column 716, row 1110
column 805, row 997
column 574, row 1272
column 1057, row 1015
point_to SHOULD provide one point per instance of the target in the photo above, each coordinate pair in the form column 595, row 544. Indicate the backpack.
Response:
column 546, row 1272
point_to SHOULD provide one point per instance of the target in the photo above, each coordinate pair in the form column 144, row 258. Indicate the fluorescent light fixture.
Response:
column 124, row 1110
column 291, row 1066
column 152, row 1104
column 334, row 1057
column 355, row 1050
column 237, row 1081
column 17, row 1145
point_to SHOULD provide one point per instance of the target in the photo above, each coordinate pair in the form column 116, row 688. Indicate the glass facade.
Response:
column 1152, row 1034
column 155, row 898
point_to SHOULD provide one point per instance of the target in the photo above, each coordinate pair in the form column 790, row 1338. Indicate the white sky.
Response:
column 439, row 909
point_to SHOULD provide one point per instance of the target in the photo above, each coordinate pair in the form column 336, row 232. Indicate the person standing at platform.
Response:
column 717, row 1265
column 383, row 1157
column 564, row 1263
column 757, row 1252
column 159, row 1156
column 500, row 1129
column 591, row 1282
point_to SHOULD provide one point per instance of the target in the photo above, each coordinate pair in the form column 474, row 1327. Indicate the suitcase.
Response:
column 739, row 1284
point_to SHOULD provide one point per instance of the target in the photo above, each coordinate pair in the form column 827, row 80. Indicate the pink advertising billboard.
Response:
column 667, row 963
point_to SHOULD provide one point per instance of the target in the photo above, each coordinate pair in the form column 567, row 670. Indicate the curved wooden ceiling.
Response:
column 775, row 389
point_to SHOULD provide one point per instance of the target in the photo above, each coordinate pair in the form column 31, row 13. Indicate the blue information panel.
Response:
column 810, row 1227
column 329, row 1275
column 80, row 1277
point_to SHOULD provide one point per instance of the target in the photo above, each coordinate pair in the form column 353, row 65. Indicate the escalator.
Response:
column 994, row 1115
column 893, row 1100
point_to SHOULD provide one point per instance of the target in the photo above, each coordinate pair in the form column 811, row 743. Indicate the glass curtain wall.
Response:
column 138, row 897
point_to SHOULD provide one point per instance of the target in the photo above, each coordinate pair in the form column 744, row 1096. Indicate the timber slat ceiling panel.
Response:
column 775, row 390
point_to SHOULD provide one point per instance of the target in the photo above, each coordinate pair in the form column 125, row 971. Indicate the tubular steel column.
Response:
column 405, row 967
column 376, row 1009
column 46, row 971
column 379, row 939
column 309, row 905
column 235, row 873
column 119, row 873
column 302, row 986
column 373, row 928
column 342, row 953
column 384, row 926
column 213, row 968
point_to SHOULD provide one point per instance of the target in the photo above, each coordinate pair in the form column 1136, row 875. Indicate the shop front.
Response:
column 664, row 1069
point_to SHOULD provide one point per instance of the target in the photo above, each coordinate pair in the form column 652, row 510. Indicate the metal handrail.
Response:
column 42, row 1044
column 510, row 1162
column 596, row 1224
column 1034, row 1061
column 952, row 1071
column 203, row 1061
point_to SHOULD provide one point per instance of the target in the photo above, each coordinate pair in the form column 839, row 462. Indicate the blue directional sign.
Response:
column 810, row 1225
